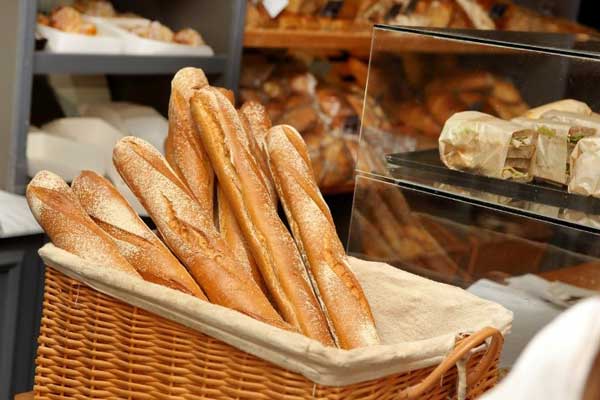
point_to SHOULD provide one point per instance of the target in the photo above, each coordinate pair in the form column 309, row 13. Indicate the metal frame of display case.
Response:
column 221, row 24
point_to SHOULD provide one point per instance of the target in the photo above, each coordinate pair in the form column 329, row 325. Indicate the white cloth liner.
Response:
column 418, row 320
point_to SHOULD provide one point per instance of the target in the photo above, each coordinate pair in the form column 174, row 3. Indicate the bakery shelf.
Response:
column 539, row 200
column 57, row 63
column 308, row 39
column 357, row 41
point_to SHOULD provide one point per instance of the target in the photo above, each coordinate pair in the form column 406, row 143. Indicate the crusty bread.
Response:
column 57, row 210
column 136, row 242
column 256, row 123
column 227, row 93
column 189, row 231
column 183, row 148
column 345, row 305
column 233, row 236
column 270, row 242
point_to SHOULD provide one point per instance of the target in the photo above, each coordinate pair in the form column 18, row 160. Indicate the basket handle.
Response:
column 463, row 348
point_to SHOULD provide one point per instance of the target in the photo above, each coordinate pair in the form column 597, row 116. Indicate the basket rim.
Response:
column 320, row 364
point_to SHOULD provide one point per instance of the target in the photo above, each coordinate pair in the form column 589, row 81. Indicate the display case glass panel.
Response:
column 462, row 178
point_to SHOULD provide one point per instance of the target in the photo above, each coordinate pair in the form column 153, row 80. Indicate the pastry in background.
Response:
column 360, row 15
column 154, row 30
column 68, row 19
column 188, row 37
column 96, row 8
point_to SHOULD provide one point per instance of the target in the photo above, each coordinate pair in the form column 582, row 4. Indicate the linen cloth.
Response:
column 417, row 319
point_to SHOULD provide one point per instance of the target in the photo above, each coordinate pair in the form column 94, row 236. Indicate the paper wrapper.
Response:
column 476, row 142
column 585, row 167
column 552, row 152
column 568, row 105
column 574, row 119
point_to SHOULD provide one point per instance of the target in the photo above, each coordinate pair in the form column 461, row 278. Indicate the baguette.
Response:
column 232, row 234
column 342, row 299
column 256, row 123
column 189, row 231
column 183, row 148
column 228, row 225
column 58, row 212
column 270, row 242
column 227, row 93
column 136, row 242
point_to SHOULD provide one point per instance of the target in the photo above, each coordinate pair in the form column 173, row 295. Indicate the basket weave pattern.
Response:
column 94, row 346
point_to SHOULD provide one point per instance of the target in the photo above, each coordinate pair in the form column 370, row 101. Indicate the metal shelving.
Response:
column 140, row 77
column 82, row 64
column 221, row 24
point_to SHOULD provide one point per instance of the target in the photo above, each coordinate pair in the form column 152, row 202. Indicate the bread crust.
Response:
column 256, row 123
column 136, row 242
column 270, row 242
column 64, row 220
column 188, row 230
column 183, row 148
column 342, row 298
column 233, row 236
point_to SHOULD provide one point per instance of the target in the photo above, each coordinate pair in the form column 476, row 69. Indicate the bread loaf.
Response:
column 232, row 234
column 345, row 305
column 227, row 93
column 183, row 148
column 136, row 242
column 271, row 244
column 58, row 212
column 189, row 231
column 256, row 123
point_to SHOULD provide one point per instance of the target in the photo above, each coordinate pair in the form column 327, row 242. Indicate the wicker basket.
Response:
column 94, row 346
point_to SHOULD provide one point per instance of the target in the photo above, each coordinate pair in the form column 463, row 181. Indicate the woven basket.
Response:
column 94, row 346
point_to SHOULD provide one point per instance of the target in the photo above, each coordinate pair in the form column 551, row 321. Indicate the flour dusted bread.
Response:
column 183, row 148
column 256, row 123
column 233, row 236
column 136, row 242
column 189, row 231
column 57, row 210
column 271, row 244
column 341, row 295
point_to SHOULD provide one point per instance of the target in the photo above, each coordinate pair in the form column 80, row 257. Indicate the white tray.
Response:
column 94, row 131
column 135, row 45
column 62, row 156
column 132, row 119
column 106, row 41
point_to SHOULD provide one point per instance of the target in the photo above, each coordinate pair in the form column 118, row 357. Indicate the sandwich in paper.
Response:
column 582, row 126
column 569, row 105
column 483, row 144
column 585, row 167
column 551, row 158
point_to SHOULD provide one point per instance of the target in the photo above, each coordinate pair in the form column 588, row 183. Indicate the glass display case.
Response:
column 471, row 182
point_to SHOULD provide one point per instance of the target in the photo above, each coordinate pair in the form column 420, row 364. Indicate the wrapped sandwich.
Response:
column 585, row 167
column 551, row 158
column 483, row 144
column 582, row 126
column 569, row 105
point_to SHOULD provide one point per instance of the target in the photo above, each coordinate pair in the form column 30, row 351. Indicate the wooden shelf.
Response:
column 307, row 39
column 360, row 41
